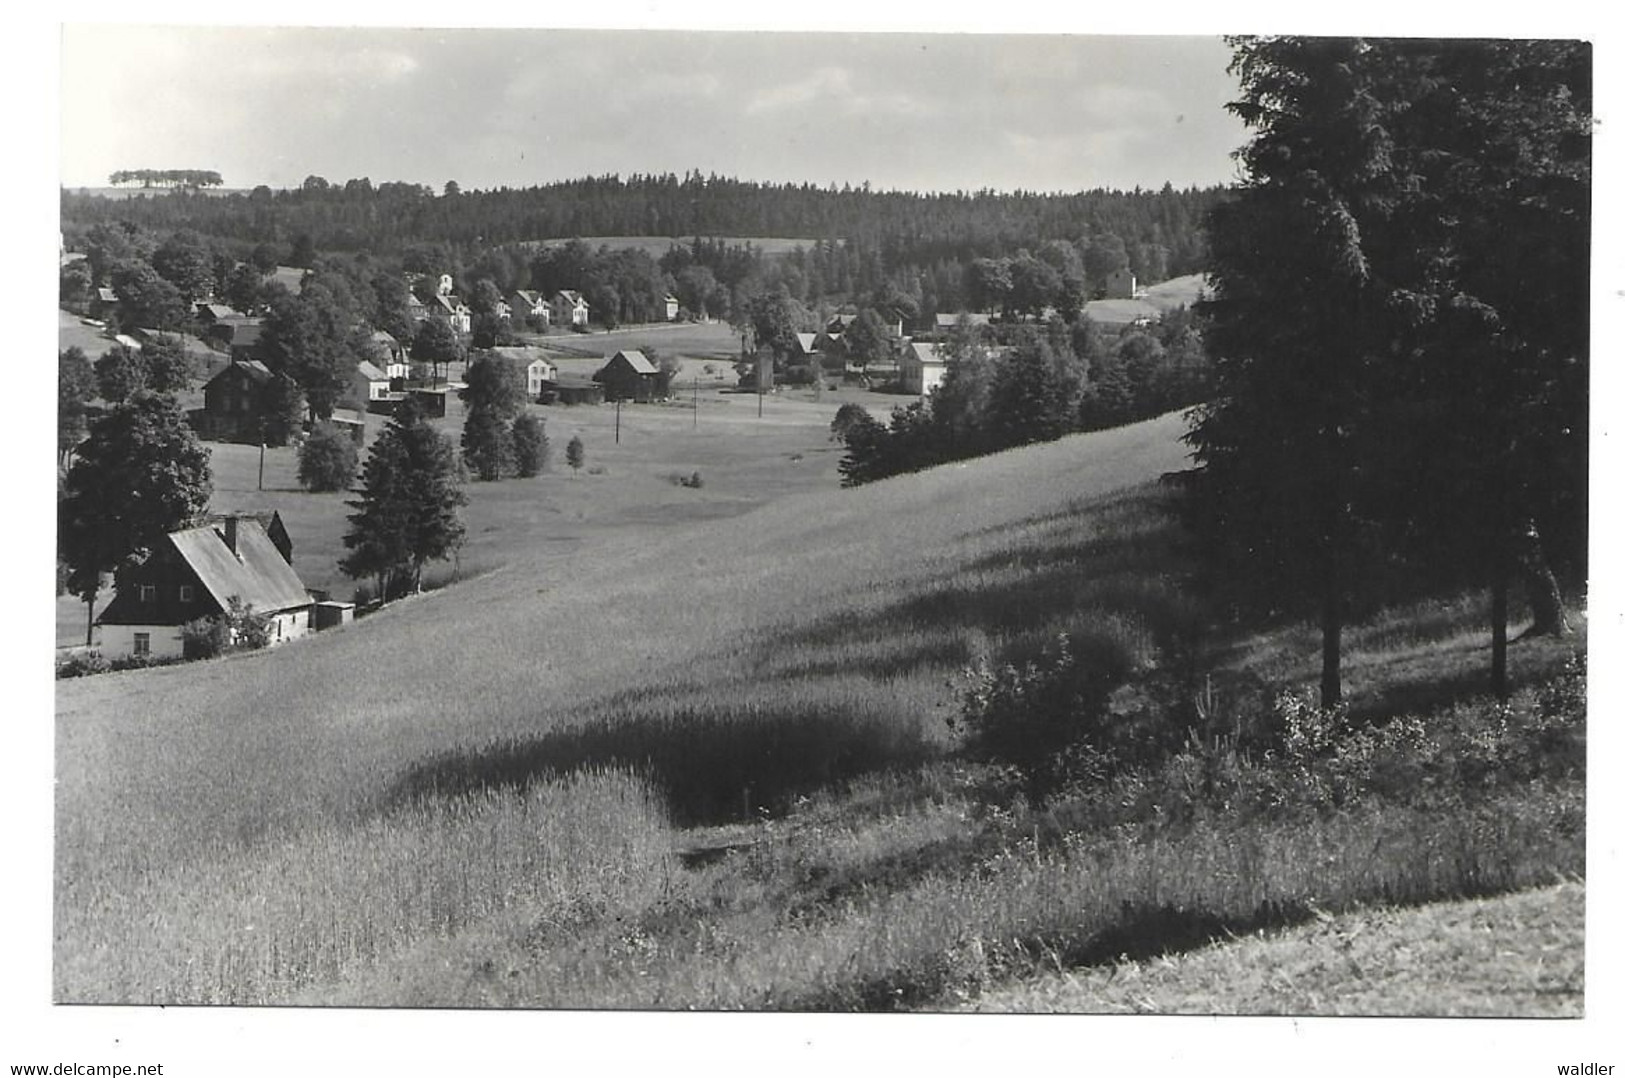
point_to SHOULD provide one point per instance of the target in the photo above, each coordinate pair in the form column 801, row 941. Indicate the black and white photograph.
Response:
column 948, row 523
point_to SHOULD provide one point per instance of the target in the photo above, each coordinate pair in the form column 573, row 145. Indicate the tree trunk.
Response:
column 1331, row 595
column 1331, row 644
column 90, row 621
column 1498, row 631
column 1540, row 586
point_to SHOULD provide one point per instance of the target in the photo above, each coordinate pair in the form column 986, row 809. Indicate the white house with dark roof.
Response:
column 921, row 368
column 537, row 367
column 395, row 364
column 570, row 308
column 369, row 382
column 523, row 303
column 196, row 573
column 453, row 310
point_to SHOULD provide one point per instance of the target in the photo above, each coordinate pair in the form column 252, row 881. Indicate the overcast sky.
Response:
column 517, row 107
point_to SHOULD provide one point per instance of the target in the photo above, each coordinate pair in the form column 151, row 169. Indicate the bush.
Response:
column 327, row 459
column 1049, row 718
column 205, row 638
column 82, row 664
column 248, row 630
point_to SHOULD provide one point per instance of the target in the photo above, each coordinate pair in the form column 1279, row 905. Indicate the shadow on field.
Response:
column 1058, row 572
column 714, row 765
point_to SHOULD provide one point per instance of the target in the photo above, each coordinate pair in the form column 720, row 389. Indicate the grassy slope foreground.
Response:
column 706, row 765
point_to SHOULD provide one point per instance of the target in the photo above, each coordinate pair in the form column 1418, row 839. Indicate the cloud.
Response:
column 824, row 82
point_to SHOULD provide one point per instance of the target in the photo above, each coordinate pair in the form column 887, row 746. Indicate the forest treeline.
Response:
column 865, row 235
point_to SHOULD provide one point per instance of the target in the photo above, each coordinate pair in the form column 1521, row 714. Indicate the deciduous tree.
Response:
column 139, row 474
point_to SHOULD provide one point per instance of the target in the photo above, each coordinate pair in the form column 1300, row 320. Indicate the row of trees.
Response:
column 1041, row 383
column 1422, row 210
column 166, row 177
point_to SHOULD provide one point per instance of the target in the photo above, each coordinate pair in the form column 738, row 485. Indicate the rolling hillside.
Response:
column 233, row 748
column 706, row 764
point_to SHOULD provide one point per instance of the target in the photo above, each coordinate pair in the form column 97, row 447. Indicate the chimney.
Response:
column 231, row 533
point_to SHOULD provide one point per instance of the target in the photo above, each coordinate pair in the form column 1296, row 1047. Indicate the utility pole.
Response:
column 696, row 402
column 617, row 421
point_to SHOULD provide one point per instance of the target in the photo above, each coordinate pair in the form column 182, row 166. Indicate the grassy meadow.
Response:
column 664, row 747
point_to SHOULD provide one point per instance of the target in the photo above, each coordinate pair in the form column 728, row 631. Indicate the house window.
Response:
column 143, row 644
column 149, row 592
column 186, row 593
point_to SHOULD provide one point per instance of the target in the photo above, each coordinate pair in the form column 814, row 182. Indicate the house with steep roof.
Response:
column 570, row 309
column 525, row 304
column 921, row 368
column 672, row 307
column 396, row 368
column 233, row 403
column 539, row 370
column 1120, row 284
column 452, row 309
column 628, row 375
column 369, row 382
column 197, row 573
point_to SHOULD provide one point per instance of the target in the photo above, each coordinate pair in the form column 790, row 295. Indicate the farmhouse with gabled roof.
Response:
column 196, row 573
column 570, row 309
column 527, row 304
column 630, row 376
column 233, row 403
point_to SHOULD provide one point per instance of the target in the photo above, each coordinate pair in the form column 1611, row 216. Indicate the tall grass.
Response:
column 258, row 924
column 947, row 932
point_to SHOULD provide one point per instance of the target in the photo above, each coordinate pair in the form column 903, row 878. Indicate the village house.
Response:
column 1120, row 284
column 570, row 309
column 233, row 403
column 453, row 310
column 196, row 573
column 672, row 307
column 921, row 368
column 630, row 376
column 525, row 304
column 539, row 372
column 396, row 368
column 104, row 303
column 369, row 383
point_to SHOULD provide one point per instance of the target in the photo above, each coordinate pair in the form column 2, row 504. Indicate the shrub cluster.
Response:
column 85, row 663
column 1080, row 722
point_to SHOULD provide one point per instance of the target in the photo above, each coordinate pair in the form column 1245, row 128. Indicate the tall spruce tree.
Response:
column 1276, row 444
column 408, row 510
